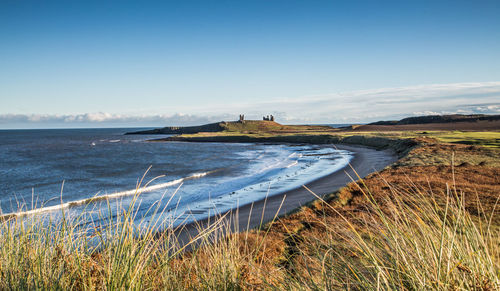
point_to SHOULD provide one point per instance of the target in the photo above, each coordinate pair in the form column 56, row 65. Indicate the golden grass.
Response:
column 407, row 241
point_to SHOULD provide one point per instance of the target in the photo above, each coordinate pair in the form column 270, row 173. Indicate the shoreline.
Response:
column 296, row 197
column 365, row 161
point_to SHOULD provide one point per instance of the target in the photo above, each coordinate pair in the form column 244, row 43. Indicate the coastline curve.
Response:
column 365, row 161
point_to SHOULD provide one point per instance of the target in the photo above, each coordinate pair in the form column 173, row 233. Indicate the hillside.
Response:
column 455, row 122
column 212, row 127
column 439, row 119
column 247, row 126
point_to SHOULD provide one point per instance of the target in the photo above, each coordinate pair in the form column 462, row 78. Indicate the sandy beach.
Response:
column 365, row 161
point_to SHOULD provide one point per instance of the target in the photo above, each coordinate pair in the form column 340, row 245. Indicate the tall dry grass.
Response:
column 405, row 241
column 409, row 240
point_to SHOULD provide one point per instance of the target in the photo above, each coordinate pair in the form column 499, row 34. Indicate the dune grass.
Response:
column 409, row 240
column 123, row 252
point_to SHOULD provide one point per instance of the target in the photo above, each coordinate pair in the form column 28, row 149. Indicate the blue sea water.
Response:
column 46, row 169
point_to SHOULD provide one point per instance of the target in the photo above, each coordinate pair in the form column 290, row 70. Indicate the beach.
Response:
column 364, row 162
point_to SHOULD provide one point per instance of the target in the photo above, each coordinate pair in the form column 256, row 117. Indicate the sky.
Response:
column 158, row 63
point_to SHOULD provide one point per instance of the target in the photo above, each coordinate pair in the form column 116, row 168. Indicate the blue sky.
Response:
column 114, row 63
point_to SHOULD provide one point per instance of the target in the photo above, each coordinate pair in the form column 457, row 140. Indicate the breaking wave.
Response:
column 136, row 191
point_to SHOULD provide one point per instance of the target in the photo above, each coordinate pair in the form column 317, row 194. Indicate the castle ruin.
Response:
column 268, row 118
column 241, row 118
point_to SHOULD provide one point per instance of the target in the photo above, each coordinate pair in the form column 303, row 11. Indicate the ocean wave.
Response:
column 136, row 191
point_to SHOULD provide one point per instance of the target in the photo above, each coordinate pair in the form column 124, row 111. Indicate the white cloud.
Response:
column 355, row 106
column 387, row 103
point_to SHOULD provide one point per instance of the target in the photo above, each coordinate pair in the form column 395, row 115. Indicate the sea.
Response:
column 101, row 171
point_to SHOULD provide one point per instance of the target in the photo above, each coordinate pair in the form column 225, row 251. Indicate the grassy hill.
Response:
column 212, row 127
column 440, row 119
column 456, row 122
column 246, row 127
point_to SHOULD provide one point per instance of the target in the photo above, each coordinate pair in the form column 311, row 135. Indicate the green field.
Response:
column 484, row 138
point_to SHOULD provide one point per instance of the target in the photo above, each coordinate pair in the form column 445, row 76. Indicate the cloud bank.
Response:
column 393, row 103
column 347, row 107
column 102, row 119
